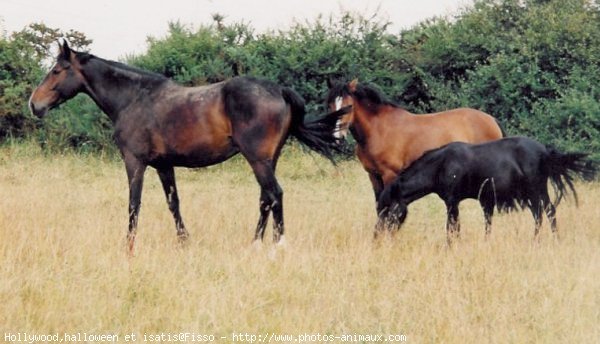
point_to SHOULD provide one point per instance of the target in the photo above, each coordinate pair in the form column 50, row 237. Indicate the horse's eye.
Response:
column 55, row 71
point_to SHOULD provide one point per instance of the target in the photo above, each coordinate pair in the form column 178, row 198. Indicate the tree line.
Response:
column 533, row 64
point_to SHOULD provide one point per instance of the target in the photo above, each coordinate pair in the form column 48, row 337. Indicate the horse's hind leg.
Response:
column 271, row 199
column 536, row 211
column 167, row 178
column 550, row 212
column 264, row 211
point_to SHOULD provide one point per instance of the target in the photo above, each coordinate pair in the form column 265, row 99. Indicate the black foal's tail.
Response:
column 317, row 134
column 562, row 168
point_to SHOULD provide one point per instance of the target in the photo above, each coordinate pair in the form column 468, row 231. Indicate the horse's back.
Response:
column 473, row 125
column 513, row 159
column 496, row 170
column 419, row 133
column 245, row 98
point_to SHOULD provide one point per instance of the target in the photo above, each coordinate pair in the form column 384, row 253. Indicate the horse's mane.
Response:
column 86, row 58
column 364, row 93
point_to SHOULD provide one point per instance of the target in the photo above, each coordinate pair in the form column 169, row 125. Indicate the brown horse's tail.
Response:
column 317, row 134
column 500, row 126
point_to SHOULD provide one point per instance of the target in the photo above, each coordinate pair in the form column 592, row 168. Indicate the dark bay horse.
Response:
column 161, row 124
column 389, row 138
column 506, row 174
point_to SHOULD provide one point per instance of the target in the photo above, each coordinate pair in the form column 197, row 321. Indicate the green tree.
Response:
column 42, row 38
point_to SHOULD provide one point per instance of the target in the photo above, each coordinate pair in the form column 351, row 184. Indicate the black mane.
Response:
column 151, row 77
column 337, row 90
column 364, row 93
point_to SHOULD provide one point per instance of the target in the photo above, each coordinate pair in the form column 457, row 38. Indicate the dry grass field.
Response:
column 64, row 267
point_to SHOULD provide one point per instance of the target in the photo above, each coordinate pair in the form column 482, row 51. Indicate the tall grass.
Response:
column 64, row 265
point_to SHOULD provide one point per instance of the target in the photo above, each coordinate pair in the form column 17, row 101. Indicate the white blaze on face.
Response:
column 338, row 125
column 338, row 103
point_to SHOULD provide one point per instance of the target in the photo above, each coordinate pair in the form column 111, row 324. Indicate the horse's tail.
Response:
column 500, row 126
column 317, row 134
column 562, row 168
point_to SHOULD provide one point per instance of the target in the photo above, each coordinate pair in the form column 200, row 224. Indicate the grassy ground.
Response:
column 64, row 266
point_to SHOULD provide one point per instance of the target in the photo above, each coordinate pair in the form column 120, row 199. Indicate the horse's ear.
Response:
column 352, row 85
column 332, row 81
column 65, row 50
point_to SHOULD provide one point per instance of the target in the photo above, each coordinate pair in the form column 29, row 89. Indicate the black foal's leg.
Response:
column 167, row 178
column 135, row 175
column 383, row 222
column 488, row 212
column 550, row 211
column 271, row 199
column 536, row 211
column 452, row 223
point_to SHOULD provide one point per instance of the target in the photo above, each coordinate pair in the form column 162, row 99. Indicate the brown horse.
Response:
column 161, row 124
column 390, row 138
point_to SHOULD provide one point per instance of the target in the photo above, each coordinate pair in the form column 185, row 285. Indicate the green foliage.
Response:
column 194, row 57
column 533, row 64
column 21, row 62
column 304, row 57
column 41, row 38
column 19, row 70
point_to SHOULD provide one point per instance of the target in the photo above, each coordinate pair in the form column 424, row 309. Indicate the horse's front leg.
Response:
column 377, row 183
column 135, row 175
column 167, row 178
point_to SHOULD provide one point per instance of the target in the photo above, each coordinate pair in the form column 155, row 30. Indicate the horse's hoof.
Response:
column 183, row 237
column 281, row 244
column 130, row 247
column 257, row 245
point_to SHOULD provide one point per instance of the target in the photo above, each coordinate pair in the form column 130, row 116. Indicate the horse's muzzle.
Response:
column 38, row 110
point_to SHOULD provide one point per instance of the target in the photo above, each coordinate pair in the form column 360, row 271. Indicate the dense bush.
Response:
column 19, row 72
column 304, row 57
column 533, row 64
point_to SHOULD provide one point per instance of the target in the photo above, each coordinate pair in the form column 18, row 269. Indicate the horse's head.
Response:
column 62, row 83
column 340, row 96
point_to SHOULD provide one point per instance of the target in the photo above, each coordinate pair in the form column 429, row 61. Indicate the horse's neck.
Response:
column 366, row 121
column 114, row 89
column 417, row 185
